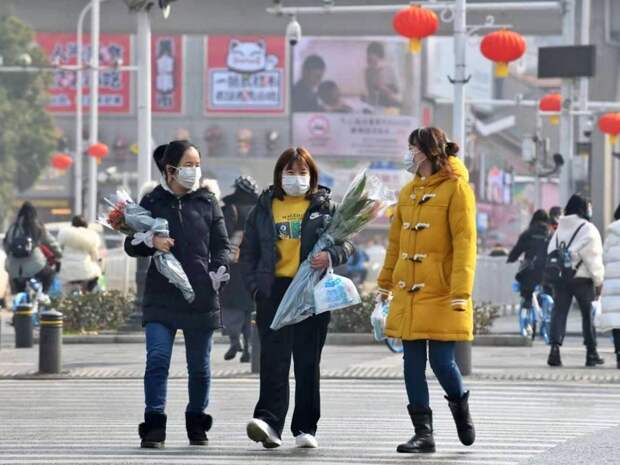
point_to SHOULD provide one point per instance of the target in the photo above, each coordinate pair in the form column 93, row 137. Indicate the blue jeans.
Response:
column 159, row 343
column 441, row 355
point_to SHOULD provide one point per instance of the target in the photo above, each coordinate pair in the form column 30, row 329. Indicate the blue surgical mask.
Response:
column 296, row 186
column 189, row 176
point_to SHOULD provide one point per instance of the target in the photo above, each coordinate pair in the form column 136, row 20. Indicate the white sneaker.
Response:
column 306, row 441
column 260, row 431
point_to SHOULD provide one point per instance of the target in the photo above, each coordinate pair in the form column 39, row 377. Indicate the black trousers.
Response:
column 583, row 291
column 616, row 335
column 304, row 341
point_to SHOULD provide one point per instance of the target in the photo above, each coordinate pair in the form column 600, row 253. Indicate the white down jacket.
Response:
column 587, row 247
column 80, row 255
column 610, row 318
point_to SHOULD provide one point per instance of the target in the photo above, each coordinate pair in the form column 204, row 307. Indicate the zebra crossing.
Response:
column 95, row 422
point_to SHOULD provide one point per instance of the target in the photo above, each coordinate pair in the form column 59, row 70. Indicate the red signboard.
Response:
column 114, row 86
column 245, row 75
column 167, row 72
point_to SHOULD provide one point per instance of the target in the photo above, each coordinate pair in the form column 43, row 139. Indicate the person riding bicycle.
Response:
column 533, row 244
column 24, row 243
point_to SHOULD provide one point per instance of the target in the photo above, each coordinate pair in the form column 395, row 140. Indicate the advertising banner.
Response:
column 167, row 73
column 353, row 97
column 114, row 86
column 245, row 75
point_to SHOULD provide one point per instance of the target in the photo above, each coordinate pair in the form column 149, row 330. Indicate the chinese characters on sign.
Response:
column 167, row 70
column 114, row 85
column 245, row 74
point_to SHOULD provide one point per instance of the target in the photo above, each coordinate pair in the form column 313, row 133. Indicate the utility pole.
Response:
column 460, row 43
column 94, row 107
column 144, row 97
column 567, row 132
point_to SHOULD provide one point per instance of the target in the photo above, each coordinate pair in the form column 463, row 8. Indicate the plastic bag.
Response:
column 335, row 292
column 597, row 312
column 378, row 319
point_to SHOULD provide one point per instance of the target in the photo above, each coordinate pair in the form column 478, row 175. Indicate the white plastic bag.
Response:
column 597, row 312
column 335, row 292
column 378, row 318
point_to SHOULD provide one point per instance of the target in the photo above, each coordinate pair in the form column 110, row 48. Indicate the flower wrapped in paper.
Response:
column 364, row 199
column 130, row 219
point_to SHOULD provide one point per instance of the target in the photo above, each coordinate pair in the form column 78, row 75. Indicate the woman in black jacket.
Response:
column 533, row 244
column 279, row 234
column 198, row 239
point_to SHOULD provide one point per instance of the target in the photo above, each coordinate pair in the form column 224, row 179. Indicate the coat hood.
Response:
column 614, row 229
column 458, row 169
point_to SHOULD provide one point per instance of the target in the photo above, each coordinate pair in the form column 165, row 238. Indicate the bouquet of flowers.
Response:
column 364, row 200
column 130, row 219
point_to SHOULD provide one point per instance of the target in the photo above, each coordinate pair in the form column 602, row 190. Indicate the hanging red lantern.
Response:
column 415, row 23
column 551, row 103
column 98, row 151
column 62, row 161
column 502, row 47
column 609, row 124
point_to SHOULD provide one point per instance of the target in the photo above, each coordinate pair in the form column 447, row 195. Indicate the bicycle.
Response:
column 539, row 313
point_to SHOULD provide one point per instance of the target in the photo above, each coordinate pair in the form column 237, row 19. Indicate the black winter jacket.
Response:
column 259, row 253
column 201, row 245
column 533, row 243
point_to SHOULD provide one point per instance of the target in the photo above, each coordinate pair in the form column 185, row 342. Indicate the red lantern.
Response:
column 62, row 161
column 551, row 103
column 98, row 151
column 415, row 23
column 502, row 47
column 609, row 124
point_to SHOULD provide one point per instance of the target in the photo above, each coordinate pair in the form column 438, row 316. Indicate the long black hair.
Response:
column 540, row 216
column 577, row 205
column 28, row 220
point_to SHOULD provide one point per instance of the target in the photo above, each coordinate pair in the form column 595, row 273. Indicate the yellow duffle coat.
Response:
column 431, row 258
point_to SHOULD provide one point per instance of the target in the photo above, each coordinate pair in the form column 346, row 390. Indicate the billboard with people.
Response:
column 353, row 96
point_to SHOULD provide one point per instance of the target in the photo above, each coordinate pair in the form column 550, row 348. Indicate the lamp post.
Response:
column 94, row 107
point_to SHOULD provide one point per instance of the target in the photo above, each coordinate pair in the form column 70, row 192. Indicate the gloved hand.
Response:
column 219, row 277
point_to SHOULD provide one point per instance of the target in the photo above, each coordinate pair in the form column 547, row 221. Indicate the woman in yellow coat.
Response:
column 429, row 271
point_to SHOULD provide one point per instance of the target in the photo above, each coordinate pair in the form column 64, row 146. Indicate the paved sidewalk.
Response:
column 361, row 361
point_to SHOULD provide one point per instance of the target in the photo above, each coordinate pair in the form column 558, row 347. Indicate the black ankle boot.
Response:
column 232, row 350
column 462, row 419
column 197, row 426
column 153, row 431
column 423, row 441
column 593, row 358
column 554, row 359
column 618, row 360
column 245, row 356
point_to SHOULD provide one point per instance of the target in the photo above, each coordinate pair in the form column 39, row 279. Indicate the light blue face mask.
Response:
column 409, row 162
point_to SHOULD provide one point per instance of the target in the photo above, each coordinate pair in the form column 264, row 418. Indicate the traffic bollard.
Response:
column 50, row 342
column 23, row 326
column 462, row 354
column 255, row 350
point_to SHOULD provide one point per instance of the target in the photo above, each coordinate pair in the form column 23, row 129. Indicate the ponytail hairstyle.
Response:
column 434, row 143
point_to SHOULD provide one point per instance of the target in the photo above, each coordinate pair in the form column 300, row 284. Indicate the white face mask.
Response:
column 409, row 161
column 189, row 176
column 296, row 186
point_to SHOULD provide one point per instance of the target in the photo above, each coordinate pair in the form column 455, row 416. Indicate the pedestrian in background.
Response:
column 198, row 239
column 532, row 244
column 429, row 270
column 610, row 300
column 81, row 263
column 584, row 244
column 236, row 300
column 554, row 217
column 28, row 245
column 280, row 233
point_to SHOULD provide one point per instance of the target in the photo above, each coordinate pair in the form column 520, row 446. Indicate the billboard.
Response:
column 167, row 62
column 114, row 86
column 353, row 97
column 245, row 75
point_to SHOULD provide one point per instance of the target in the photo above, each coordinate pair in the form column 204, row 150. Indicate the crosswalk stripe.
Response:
column 95, row 422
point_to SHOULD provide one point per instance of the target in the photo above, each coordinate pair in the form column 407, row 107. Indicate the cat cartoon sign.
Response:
column 250, row 57
column 245, row 74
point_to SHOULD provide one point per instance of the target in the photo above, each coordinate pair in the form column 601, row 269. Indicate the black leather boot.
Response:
column 235, row 346
column 554, row 359
column 422, row 442
column 197, row 426
column 462, row 419
column 153, row 431
column 593, row 358
column 618, row 360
